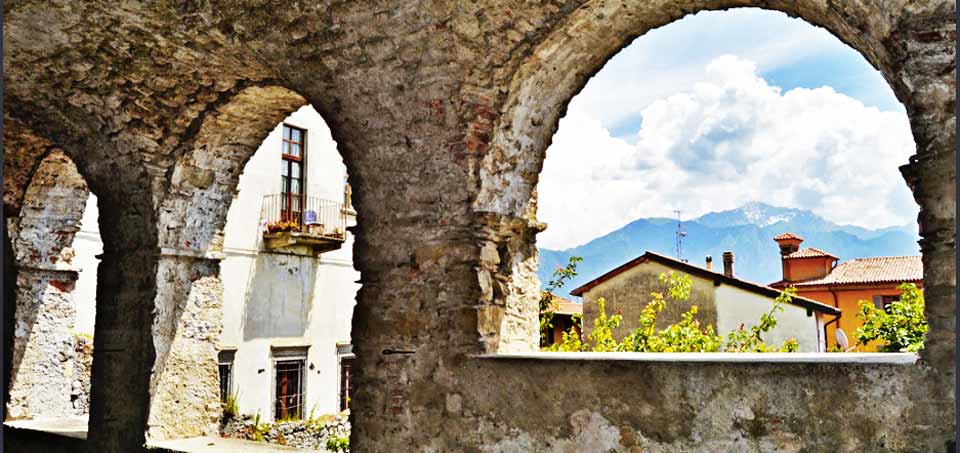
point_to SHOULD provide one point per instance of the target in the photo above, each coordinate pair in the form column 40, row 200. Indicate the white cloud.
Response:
column 731, row 138
column 672, row 58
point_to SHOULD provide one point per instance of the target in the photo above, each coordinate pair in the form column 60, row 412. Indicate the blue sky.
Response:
column 712, row 111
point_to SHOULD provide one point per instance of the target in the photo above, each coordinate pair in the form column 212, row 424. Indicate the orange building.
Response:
column 816, row 275
column 566, row 316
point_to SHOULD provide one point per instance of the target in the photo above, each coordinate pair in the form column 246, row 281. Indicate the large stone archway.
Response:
column 442, row 112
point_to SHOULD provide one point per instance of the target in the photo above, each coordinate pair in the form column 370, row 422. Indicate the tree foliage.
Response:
column 900, row 326
column 548, row 300
column 687, row 335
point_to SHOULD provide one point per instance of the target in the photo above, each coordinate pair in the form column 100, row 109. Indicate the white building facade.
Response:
column 285, row 346
column 288, row 297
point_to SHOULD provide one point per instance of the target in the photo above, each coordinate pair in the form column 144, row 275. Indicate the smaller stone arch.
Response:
column 184, row 385
column 46, row 361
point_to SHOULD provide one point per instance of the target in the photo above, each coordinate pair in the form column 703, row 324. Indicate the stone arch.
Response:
column 192, row 215
column 44, row 357
column 562, row 63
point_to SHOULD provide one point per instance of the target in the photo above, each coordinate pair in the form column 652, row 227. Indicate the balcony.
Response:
column 292, row 222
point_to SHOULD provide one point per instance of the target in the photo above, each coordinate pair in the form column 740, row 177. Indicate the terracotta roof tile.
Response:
column 786, row 236
column 809, row 252
column 884, row 269
column 566, row 307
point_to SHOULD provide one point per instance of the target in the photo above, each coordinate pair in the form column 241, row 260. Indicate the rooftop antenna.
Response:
column 680, row 235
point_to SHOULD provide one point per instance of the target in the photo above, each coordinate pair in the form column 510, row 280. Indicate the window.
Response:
column 289, row 379
column 883, row 302
column 225, row 365
column 345, row 358
column 292, row 173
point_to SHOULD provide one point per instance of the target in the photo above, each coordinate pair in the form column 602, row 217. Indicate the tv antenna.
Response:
column 680, row 235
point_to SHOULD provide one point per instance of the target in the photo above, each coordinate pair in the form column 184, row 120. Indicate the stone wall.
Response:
column 82, row 366
column 443, row 112
column 311, row 434
column 43, row 365
column 43, row 347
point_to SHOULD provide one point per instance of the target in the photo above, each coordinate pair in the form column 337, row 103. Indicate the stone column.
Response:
column 123, row 344
column 43, row 351
column 184, row 386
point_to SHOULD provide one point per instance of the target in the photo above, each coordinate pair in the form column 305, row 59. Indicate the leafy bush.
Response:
column 684, row 336
column 900, row 326
column 338, row 444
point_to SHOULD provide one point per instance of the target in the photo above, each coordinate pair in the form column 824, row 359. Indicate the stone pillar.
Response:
column 184, row 386
column 508, row 317
column 123, row 344
column 42, row 380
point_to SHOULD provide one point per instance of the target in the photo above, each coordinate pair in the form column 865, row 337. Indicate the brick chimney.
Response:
column 709, row 263
column 799, row 265
column 728, row 264
column 788, row 243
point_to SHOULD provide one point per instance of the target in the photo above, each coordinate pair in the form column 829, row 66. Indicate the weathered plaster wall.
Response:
column 661, row 407
column 629, row 293
column 443, row 112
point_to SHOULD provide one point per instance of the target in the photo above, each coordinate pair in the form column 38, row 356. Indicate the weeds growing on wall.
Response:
column 685, row 336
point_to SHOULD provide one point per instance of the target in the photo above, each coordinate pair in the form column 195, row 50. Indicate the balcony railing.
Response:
column 300, row 216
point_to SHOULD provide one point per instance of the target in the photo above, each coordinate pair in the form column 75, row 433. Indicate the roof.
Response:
column 783, row 236
column 563, row 306
column 810, row 252
column 717, row 277
column 884, row 269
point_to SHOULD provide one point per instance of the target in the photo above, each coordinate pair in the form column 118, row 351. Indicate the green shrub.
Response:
column 338, row 444
column 899, row 327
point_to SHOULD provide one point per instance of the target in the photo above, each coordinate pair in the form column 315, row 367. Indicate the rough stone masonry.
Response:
column 443, row 111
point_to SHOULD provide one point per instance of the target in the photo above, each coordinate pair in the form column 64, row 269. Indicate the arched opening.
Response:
column 255, row 237
column 694, row 143
column 55, row 242
column 693, row 401
column 565, row 62
column 289, row 288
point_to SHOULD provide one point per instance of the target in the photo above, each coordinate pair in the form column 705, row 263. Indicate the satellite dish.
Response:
column 842, row 340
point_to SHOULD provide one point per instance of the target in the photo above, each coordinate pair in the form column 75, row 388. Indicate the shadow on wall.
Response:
column 279, row 296
column 9, row 298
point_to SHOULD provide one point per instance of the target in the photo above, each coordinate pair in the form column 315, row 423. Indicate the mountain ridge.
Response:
column 747, row 231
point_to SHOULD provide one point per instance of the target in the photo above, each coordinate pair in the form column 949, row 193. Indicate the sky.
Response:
column 719, row 109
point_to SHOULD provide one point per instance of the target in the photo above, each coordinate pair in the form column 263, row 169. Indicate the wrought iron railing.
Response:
column 300, row 213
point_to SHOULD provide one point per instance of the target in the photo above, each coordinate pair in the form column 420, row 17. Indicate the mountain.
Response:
column 747, row 231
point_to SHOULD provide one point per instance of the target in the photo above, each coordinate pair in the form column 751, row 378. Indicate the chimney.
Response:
column 788, row 243
column 709, row 263
column 728, row 264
